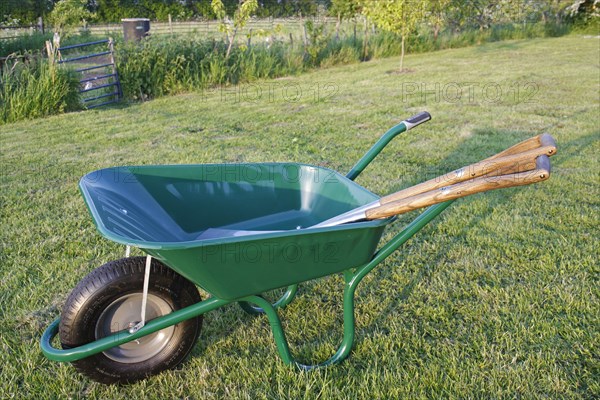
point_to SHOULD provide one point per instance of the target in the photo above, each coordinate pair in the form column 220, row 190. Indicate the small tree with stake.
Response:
column 242, row 14
column 344, row 10
column 435, row 13
column 396, row 16
column 68, row 15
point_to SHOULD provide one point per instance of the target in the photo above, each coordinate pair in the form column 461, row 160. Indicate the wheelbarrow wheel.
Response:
column 109, row 299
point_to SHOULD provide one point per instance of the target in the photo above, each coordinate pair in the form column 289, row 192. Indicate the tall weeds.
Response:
column 165, row 65
column 35, row 89
column 23, row 43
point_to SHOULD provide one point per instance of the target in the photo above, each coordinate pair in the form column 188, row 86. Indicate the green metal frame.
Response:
column 375, row 150
column 283, row 301
column 352, row 279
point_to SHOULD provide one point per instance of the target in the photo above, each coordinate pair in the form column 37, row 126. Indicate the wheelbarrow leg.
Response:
column 279, row 335
column 283, row 301
column 352, row 279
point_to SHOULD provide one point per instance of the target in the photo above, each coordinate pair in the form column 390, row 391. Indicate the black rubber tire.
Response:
column 102, row 288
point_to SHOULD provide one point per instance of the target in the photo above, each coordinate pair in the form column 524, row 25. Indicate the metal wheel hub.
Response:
column 124, row 313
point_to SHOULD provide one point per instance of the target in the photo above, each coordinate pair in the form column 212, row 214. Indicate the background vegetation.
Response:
column 461, row 13
column 167, row 65
column 164, row 65
column 498, row 298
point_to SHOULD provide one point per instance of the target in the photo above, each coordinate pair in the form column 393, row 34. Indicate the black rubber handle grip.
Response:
column 419, row 118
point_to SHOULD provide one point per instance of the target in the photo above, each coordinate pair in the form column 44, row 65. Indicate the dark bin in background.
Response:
column 134, row 29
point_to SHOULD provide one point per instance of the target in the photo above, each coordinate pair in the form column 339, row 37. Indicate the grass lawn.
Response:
column 498, row 298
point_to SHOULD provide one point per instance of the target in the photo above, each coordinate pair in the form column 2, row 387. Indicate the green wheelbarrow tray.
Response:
column 166, row 211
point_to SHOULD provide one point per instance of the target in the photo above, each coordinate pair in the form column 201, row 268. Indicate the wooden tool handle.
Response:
column 543, row 140
column 518, row 158
column 462, row 189
column 546, row 142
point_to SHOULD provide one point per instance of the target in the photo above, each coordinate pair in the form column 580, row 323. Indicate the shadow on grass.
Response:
column 120, row 105
column 232, row 320
column 482, row 144
column 575, row 147
column 510, row 44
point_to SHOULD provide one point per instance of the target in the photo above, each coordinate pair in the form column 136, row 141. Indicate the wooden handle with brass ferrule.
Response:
column 543, row 140
column 462, row 189
column 518, row 158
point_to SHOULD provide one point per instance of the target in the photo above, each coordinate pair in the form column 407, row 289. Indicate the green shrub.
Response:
column 20, row 44
column 36, row 89
column 163, row 65
column 387, row 44
column 35, row 42
column 345, row 54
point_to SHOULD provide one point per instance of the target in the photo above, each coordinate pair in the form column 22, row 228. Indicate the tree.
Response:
column 67, row 15
column 481, row 14
column 585, row 10
column 242, row 14
column 396, row 16
column 436, row 15
column 23, row 12
column 343, row 9
column 560, row 9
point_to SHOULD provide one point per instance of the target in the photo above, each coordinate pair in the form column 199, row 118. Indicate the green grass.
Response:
column 498, row 298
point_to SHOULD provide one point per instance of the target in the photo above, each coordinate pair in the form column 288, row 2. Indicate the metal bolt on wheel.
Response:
column 124, row 313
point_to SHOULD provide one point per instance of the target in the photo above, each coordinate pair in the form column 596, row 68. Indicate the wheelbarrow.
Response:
column 237, row 231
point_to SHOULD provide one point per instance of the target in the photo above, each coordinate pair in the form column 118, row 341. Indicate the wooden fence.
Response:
column 211, row 27
column 275, row 27
column 13, row 32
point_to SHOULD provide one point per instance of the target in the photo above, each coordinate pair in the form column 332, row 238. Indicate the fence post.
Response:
column 50, row 52
column 111, row 48
column 366, row 45
column 304, row 30
column 40, row 24
column 170, row 25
